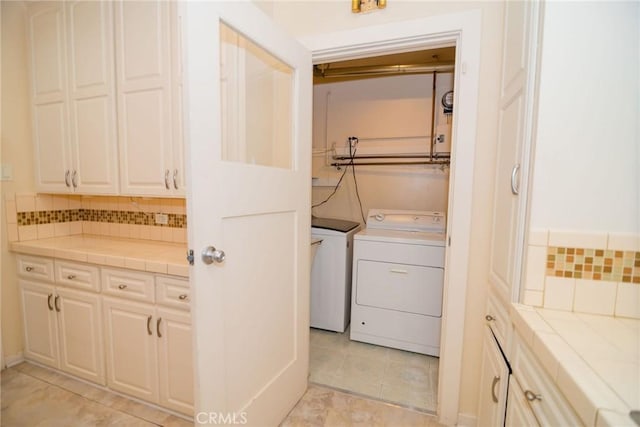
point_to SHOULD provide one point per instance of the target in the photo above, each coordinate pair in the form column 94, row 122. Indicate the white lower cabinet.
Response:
column 175, row 360
column 62, row 329
column 149, row 348
column 130, row 331
column 544, row 399
column 132, row 355
column 81, row 349
column 519, row 414
column 40, row 323
column 494, row 378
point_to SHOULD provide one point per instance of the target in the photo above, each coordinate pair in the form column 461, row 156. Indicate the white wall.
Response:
column 389, row 115
column 587, row 154
column 309, row 18
column 17, row 152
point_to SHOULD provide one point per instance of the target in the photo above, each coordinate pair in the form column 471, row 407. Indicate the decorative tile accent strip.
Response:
column 594, row 264
column 95, row 215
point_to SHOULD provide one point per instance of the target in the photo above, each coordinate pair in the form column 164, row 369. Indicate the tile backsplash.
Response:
column 596, row 273
column 596, row 264
column 39, row 216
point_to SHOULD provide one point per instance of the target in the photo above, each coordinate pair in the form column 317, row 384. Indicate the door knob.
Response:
column 211, row 254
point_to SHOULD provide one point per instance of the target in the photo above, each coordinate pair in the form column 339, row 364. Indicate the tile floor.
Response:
column 396, row 376
column 32, row 396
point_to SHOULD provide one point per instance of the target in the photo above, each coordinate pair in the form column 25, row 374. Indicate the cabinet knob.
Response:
column 121, row 287
column 183, row 297
column 489, row 318
column 531, row 396
column 29, row 268
column 71, row 276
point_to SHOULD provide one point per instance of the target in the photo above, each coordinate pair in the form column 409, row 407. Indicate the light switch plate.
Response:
column 6, row 174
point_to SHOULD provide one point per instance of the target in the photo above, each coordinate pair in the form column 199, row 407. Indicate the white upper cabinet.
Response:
column 106, row 97
column 48, row 96
column 92, row 96
column 73, row 97
column 148, row 99
column 514, row 139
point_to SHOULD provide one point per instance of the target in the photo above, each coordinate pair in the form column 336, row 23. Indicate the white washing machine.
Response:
column 398, row 277
column 331, row 273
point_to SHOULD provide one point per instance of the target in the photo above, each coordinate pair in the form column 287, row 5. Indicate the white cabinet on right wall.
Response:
column 148, row 92
column 515, row 124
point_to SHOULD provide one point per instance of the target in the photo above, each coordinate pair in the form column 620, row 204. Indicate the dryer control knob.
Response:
column 379, row 217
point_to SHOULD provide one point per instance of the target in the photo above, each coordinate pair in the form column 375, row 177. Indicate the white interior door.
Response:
column 248, row 128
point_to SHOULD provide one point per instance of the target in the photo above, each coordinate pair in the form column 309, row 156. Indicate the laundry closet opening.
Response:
column 380, row 187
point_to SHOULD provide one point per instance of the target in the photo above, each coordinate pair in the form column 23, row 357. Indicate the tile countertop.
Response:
column 144, row 255
column 594, row 360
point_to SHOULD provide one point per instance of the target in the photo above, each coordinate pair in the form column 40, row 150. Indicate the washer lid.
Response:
column 341, row 225
column 406, row 220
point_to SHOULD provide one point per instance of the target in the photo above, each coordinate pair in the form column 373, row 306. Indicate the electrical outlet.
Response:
column 162, row 219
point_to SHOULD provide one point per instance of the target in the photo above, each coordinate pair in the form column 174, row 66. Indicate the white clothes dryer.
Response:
column 398, row 278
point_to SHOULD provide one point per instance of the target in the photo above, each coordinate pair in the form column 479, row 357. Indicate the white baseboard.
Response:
column 466, row 420
column 13, row 360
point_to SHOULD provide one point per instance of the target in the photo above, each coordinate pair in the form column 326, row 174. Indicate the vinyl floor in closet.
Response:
column 401, row 377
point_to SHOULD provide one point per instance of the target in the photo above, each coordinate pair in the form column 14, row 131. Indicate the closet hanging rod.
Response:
column 328, row 72
column 424, row 162
column 394, row 156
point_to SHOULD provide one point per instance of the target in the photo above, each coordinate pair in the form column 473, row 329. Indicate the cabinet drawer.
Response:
column 497, row 318
column 76, row 275
column 173, row 292
column 546, row 401
column 35, row 268
column 128, row 284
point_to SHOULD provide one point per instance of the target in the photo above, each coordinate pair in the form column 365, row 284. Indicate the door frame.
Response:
column 462, row 30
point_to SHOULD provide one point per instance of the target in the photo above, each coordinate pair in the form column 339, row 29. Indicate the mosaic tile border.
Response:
column 98, row 215
column 593, row 264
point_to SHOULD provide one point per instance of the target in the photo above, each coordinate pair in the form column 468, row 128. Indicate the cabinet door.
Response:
column 92, row 96
column 519, row 414
column 173, row 329
column 179, row 176
column 514, row 135
column 48, row 68
column 80, row 334
column 145, row 131
column 494, row 377
column 132, row 365
column 40, row 327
